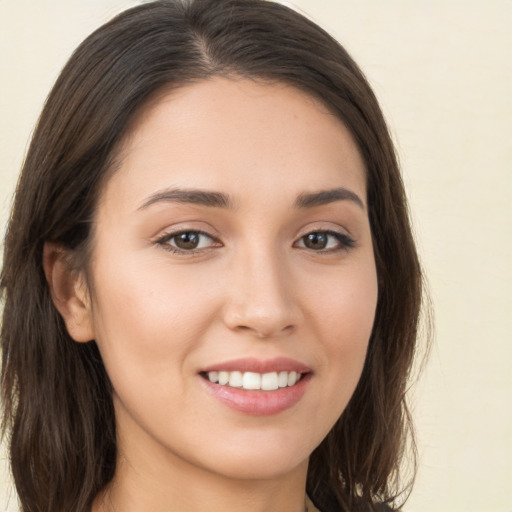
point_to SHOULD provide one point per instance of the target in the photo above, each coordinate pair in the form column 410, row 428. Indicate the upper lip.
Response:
column 251, row 364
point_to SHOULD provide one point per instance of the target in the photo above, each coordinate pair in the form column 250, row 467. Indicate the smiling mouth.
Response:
column 254, row 381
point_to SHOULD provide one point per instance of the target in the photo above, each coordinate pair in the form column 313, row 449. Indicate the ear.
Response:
column 69, row 292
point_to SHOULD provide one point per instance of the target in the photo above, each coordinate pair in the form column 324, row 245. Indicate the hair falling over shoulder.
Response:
column 58, row 414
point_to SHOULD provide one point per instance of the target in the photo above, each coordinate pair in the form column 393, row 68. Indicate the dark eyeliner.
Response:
column 164, row 239
column 345, row 241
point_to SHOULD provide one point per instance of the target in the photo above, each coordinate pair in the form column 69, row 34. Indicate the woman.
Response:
column 211, row 288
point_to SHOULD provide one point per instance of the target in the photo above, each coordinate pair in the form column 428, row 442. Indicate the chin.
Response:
column 257, row 469
column 261, row 459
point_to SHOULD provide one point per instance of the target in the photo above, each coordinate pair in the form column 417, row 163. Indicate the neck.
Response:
column 135, row 491
column 153, row 477
column 150, row 479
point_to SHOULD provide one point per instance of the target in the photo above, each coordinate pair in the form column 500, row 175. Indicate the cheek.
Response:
column 148, row 318
column 344, row 303
column 344, row 318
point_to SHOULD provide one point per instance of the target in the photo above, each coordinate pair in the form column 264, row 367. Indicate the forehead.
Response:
column 237, row 134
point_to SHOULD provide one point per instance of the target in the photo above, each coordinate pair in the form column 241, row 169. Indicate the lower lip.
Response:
column 259, row 403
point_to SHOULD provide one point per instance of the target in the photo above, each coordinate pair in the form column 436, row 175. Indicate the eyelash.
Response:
column 344, row 241
column 165, row 240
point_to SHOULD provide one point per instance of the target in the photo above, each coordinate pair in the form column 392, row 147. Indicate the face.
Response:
column 234, row 279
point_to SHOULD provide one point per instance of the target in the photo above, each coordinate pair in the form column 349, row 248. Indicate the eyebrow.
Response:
column 221, row 200
column 310, row 200
column 191, row 196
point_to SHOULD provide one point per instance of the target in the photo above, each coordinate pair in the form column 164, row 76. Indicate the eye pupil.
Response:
column 187, row 240
column 315, row 240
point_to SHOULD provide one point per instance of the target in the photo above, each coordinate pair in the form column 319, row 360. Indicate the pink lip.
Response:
column 259, row 403
column 250, row 364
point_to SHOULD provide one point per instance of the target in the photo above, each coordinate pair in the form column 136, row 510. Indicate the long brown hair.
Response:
column 57, row 403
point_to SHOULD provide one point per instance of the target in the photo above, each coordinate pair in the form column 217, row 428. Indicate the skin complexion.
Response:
column 233, row 295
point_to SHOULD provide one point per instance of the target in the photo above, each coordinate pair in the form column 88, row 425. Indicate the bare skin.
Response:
column 263, row 266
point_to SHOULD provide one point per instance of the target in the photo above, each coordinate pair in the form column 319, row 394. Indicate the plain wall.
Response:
column 443, row 73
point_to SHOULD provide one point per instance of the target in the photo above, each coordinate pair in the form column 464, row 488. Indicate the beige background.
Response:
column 443, row 72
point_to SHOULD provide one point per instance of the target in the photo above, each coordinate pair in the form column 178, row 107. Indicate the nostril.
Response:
column 262, row 319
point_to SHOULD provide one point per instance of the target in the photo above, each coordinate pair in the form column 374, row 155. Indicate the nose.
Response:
column 262, row 297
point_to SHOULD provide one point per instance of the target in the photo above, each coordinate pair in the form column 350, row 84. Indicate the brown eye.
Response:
column 186, row 241
column 326, row 241
column 316, row 241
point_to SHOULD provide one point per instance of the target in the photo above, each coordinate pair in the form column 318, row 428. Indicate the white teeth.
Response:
column 251, row 380
column 282, row 379
column 269, row 381
column 235, row 379
column 255, row 381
